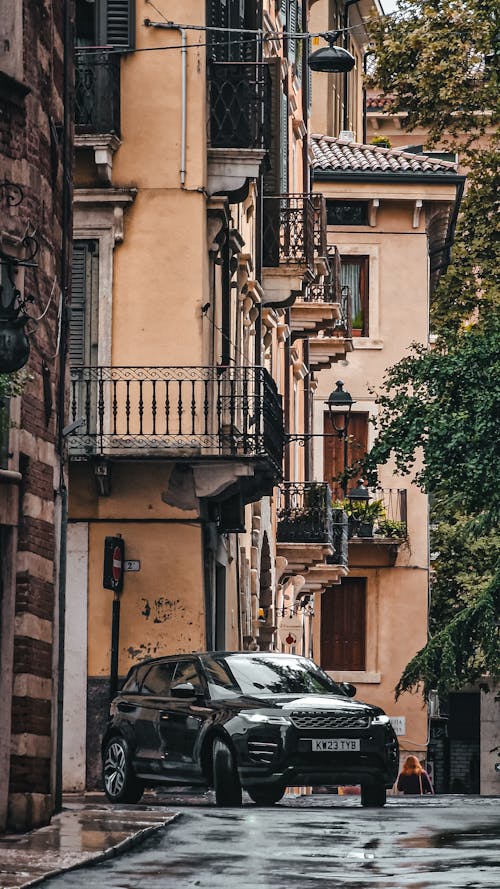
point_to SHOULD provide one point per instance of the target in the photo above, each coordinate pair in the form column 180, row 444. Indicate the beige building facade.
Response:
column 197, row 248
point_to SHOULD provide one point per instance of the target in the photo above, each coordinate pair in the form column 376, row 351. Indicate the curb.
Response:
column 106, row 854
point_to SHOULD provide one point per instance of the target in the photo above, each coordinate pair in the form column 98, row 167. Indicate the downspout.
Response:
column 168, row 26
column 345, row 25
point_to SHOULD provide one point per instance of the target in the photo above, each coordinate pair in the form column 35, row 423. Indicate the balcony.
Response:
column 309, row 533
column 97, row 93
column 377, row 527
column 289, row 247
column 325, row 307
column 194, row 414
column 97, row 108
column 239, row 96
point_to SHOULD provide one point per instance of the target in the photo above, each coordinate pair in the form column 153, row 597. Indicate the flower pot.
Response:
column 365, row 529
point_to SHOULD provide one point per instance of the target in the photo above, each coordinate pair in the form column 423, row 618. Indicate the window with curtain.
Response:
column 354, row 275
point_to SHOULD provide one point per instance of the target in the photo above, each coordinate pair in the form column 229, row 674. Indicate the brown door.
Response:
column 343, row 626
column 357, row 446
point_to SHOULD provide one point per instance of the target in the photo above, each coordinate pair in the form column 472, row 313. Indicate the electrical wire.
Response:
column 259, row 37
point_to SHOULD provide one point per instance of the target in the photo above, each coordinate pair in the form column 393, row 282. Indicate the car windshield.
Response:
column 260, row 676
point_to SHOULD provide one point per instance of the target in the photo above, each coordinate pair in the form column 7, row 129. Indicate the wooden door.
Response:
column 343, row 626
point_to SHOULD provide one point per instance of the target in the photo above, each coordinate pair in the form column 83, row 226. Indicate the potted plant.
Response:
column 390, row 528
column 366, row 514
column 357, row 324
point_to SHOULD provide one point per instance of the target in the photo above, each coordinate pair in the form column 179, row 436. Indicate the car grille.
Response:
column 263, row 751
column 329, row 719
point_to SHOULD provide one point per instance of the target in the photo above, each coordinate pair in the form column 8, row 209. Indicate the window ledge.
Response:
column 363, row 676
column 366, row 342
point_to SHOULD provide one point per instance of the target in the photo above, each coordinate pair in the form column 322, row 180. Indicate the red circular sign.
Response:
column 116, row 569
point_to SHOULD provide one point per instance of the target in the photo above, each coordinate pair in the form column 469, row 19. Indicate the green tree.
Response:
column 437, row 61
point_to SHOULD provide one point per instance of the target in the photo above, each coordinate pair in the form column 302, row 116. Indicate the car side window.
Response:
column 132, row 685
column 187, row 671
column 158, row 679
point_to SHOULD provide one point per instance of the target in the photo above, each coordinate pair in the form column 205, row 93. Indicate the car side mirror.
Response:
column 183, row 690
column 349, row 689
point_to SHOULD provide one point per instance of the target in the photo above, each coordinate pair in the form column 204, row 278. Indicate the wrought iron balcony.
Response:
column 305, row 515
column 289, row 221
column 239, row 97
column 320, row 244
column 97, row 93
column 382, row 517
column 178, row 411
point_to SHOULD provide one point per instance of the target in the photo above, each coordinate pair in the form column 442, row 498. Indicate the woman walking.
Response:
column 413, row 779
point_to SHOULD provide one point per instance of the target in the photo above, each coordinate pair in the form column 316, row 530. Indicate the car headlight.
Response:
column 382, row 719
column 262, row 717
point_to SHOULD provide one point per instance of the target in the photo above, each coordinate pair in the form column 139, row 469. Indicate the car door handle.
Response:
column 164, row 716
column 126, row 708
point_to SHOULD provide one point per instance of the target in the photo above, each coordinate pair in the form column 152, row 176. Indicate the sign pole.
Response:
column 114, row 560
column 115, row 638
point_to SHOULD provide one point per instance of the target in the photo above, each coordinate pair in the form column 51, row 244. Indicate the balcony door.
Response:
column 334, row 454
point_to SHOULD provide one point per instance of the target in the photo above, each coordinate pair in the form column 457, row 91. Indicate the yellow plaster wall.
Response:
column 395, row 631
column 161, row 605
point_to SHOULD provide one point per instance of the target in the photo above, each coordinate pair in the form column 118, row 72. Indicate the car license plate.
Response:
column 335, row 745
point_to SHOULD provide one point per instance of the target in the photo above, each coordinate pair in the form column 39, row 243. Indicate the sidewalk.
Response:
column 87, row 830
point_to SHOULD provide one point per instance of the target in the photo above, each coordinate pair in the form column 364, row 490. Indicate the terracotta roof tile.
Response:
column 335, row 155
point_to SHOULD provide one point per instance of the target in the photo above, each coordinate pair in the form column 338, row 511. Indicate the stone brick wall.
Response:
column 31, row 155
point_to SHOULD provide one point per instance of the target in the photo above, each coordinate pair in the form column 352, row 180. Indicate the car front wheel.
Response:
column 226, row 782
column 266, row 796
column 373, row 795
column 121, row 785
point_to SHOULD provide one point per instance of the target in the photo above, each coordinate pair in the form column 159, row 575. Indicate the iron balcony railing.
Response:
column 289, row 231
column 328, row 292
column 239, row 99
column 97, row 92
column 382, row 516
column 319, row 204
column 305, row 515
column 218, row 411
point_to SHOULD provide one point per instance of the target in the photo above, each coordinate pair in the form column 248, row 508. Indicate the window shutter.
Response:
column 119, row 23
column 284, row 145
column 78, row 304
column 272, row 175
column 292, row 28
column 343, row 626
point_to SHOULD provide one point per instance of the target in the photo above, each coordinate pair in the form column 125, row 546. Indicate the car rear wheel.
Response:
column 266, row 796
column 373, row 795
column 121, row 785
column 226, row 782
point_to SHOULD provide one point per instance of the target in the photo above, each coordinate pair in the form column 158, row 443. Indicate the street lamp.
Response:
column 331, row 59
column 338, row 400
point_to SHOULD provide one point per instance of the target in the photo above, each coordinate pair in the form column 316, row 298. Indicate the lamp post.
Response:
column 340, row 403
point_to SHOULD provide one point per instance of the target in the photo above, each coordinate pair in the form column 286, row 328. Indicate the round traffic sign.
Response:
column 117, row 566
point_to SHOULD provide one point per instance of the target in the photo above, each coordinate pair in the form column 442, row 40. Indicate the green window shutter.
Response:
column 78, row 303
column 84, row 284
column 119, row 23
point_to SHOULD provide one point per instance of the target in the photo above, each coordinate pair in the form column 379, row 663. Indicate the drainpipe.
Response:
column 168, row 26
column 345, row 25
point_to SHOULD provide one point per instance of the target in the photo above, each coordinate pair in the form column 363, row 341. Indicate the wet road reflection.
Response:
column 443, row 843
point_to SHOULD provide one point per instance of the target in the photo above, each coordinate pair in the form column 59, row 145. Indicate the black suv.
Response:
column 260, row 721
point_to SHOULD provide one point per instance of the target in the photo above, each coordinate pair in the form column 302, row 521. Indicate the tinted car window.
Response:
column 159, row 678
column 134, row 680
column 187, row 671
column 261, row 676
